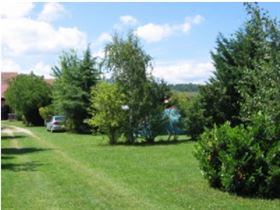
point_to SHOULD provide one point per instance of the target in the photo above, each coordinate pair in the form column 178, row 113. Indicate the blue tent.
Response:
column 172, row 126
column 173, row 116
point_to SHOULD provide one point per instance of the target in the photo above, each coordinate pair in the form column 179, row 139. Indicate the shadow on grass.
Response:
column 58, row 131
column 21, row 151
column 16, row 167
column 12, row 137
column 156, row 143
column 8, row 154
column 7, row 157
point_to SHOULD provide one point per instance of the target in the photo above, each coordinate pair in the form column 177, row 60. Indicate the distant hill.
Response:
column 189, row 87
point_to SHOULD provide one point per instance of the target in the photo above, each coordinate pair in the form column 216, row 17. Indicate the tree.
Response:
column 182, row 102
column 188, row 87
column 243, row 64
column 129, row 65
column 260, row 84
column 26, row 93
column 74, row 79
column 153, row 121
column 106, row 110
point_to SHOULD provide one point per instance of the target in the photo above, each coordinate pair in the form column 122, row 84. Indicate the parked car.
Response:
column 56, row 123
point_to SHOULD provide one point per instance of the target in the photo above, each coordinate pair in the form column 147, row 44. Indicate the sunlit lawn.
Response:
column 71, row 171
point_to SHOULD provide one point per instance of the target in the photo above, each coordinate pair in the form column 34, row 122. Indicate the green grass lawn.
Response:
column 70, row 171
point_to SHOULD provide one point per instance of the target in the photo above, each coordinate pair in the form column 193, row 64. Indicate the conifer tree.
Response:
column 74, row 78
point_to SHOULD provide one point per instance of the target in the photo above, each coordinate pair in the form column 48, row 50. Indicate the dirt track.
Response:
column 11, row 130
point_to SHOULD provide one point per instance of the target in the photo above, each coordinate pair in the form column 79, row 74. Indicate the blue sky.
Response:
column 179, row 36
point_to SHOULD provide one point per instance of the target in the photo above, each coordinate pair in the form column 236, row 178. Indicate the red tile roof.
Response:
column 7, row 76
column 49, row 81
column 5, row 79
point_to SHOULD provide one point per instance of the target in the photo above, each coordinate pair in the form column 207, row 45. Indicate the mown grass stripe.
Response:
column 105, row 187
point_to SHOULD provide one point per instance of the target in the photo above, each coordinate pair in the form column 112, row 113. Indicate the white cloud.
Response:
column 128, row 20
column 184, row 71
column 21, row 34
column 51, row 11
column 15, row 9
column 8, row 65
column 99, row 54
column 198, row 19
column 41, row 69
column 104, row 37
column 155, row 32
column 25, row 35
column 125, row 21
column 186, row 27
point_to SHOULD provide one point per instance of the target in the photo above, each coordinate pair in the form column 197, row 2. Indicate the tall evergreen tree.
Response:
column 259, row 86
column 71, row 94
column 247, row 72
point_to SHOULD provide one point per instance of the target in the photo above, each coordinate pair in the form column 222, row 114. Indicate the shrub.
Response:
column 194, row 120
column 153, row 122
column 106, row 110
column 242, row 160
column 26, row 93
column 46, row 112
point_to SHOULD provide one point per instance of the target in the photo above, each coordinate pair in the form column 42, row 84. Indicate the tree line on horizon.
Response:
column 185, row 87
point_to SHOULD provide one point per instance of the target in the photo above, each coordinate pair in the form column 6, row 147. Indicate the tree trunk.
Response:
column 112, row 137
column 130, row 136
column 150, row 139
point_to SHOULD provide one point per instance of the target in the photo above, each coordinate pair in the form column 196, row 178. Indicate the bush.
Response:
column 46, row 112
column 153, row 122
column 106, row 110
column 26, row 94
column 242, row 160
column 194, row 120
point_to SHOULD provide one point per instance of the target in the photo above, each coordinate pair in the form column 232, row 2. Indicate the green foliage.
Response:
column 194, row 121
column 245, row 89
column 143, row 96
column 181, row 100
column 71, row 92
column 106, row 110
column 242, row 160
column 192, row 112
column 260, row 84
column 26, row 93
column 46, row 112
column 153, row 122
column 265, row 96
column 247, row 76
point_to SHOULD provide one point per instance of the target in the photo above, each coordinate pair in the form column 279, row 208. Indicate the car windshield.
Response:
column 59, row 118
